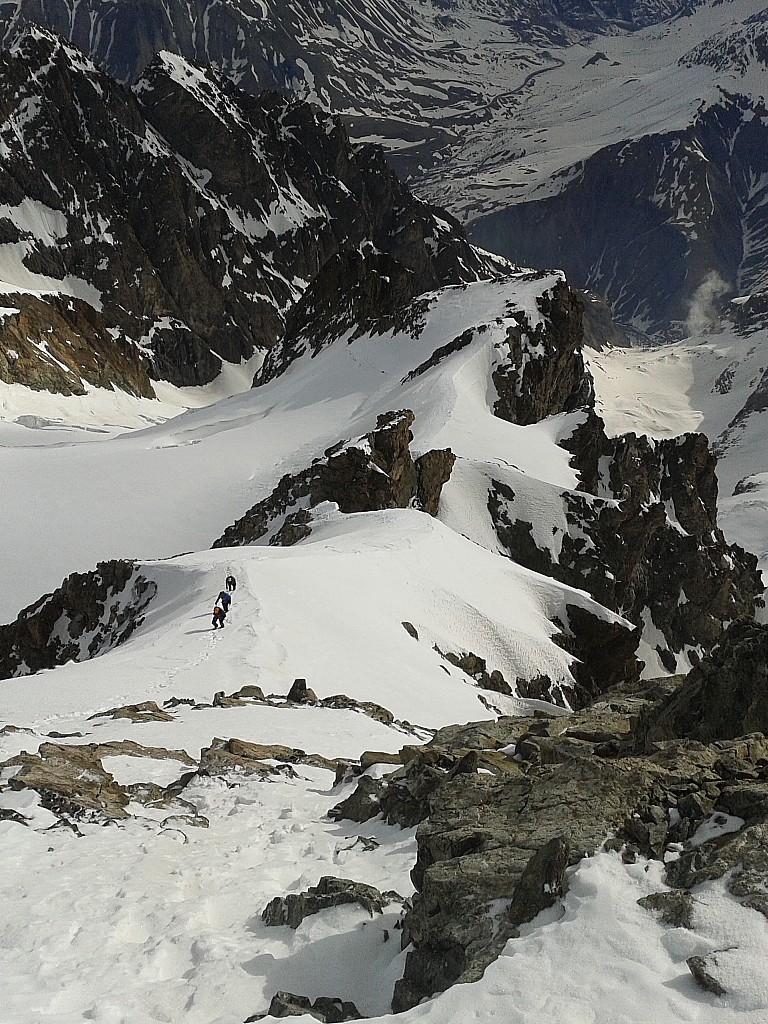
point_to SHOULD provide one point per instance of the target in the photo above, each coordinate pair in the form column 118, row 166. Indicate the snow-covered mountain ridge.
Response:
column 492, row 372
column 223, row 793
column 156, row 233
column 435, row 764
column 489, row 110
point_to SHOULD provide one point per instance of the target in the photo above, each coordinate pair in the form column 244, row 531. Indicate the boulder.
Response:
column 300, row 693
column 329, row 892
column 147, row 711
column 71, row 781
column 673, row 908
column 256, row 758
column 703, row 969
column 325, row 1009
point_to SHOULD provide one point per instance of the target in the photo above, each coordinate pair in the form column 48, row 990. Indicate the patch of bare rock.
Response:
column 324, row 1009
column 329, row 892
column 88, row 615
column 73, row 783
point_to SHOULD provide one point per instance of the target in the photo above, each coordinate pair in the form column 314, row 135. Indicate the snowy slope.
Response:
column 174, row 487
column 157, row 917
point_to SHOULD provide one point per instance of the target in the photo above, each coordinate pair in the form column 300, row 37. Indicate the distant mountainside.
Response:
column 155, row 232
column 489, row 110
column 667, row 228
column 302, row 47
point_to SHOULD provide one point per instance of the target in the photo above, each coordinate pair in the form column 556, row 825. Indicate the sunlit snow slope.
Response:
column 158, row 917
column 175, row 487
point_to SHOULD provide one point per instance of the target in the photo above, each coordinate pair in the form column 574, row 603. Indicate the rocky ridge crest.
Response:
column 641, row 534
column 374, row 472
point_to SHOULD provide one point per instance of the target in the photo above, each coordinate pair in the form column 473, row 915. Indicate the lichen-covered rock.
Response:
column 71, row 780
column 703, row 969
column 147, row 711
column 673, row 908
column 237, row 755
column 493, row 845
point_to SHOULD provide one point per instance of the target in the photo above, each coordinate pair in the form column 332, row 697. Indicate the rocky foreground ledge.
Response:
column 674, row 770
column 506, row 807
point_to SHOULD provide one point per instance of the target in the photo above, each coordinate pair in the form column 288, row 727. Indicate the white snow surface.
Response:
column 156, row 919
column 539, row 112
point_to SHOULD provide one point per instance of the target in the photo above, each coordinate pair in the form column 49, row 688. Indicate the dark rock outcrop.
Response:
column 89, row 614
column 203, row 214
column 300, row 693
column 725, row 696
column 329, row 892
column 325, row 1008
column 375, row 472
column 505, row 806
column 542, row 372
column 641, row 535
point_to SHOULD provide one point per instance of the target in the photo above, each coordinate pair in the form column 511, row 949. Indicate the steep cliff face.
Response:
column 542, row 373
column 165, row 229
column 87, row 616
column 641, row 536
column 60, row 344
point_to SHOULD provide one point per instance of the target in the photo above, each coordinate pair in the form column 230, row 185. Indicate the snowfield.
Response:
column 156, row 918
